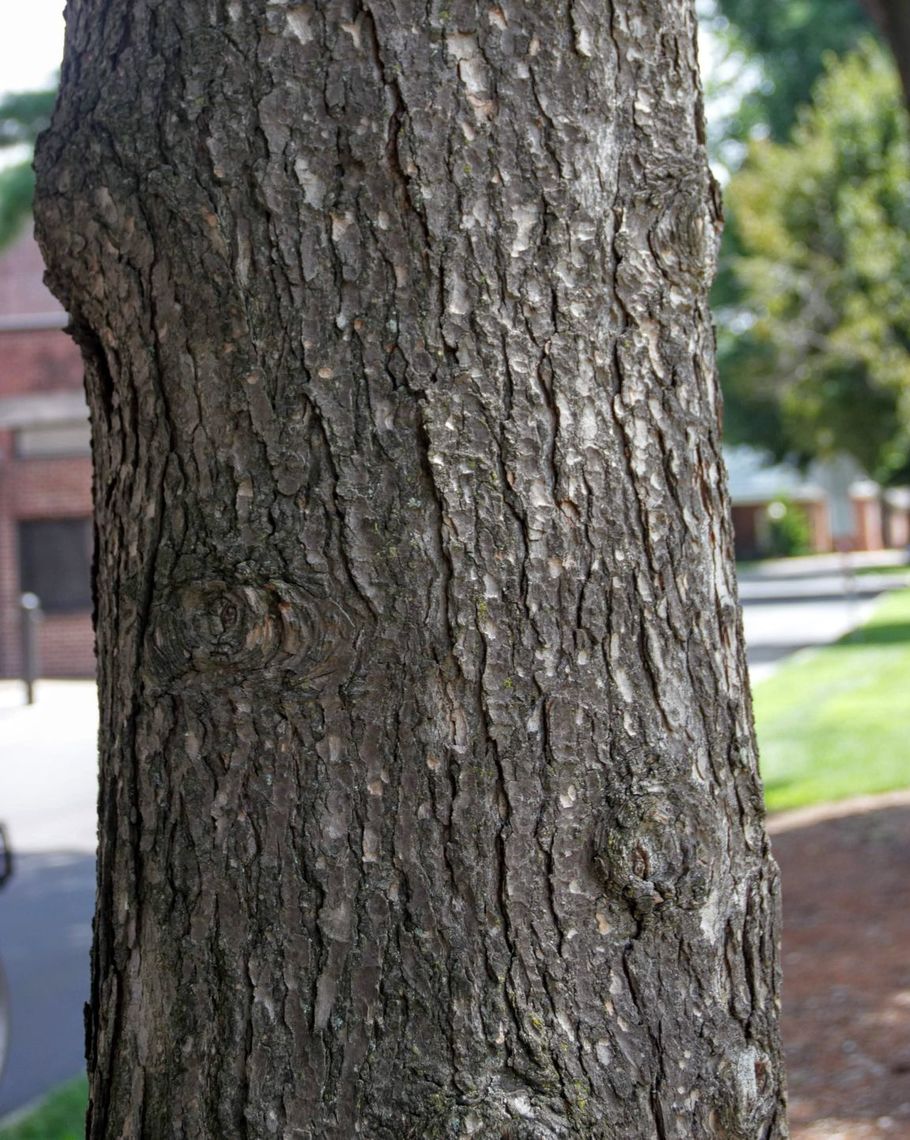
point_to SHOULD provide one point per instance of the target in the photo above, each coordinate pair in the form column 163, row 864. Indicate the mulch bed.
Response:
column 846, row 959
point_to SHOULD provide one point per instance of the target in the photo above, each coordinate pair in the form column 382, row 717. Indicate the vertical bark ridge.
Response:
column 436, row 813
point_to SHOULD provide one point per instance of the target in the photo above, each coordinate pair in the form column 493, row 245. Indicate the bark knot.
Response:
column 651, row 850
column 244, row 629
column 686, row 236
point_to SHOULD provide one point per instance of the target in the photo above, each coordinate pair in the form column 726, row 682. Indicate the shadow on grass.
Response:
column 893, row 633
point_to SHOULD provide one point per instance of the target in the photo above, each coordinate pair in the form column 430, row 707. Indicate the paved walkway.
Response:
column 45, row 938
column 48, row 766
column 798, row 603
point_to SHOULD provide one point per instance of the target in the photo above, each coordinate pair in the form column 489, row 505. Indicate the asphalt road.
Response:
column 45, row 938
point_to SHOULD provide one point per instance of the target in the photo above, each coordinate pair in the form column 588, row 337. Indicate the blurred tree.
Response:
column 23, row 115
column 789, row 38
column 814, row 314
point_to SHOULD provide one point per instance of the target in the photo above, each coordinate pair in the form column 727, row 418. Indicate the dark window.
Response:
column 55, row 560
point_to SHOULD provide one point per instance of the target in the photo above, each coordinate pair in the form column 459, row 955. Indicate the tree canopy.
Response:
column 23, row 115
column 814, row 296
column 789, row 39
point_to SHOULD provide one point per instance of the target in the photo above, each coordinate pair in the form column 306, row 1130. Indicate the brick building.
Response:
column 868, row 517
column 45, row 472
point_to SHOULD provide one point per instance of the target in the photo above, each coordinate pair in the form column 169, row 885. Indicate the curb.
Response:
column 804, row 817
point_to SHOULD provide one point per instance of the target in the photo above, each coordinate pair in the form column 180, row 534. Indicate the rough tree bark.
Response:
column 429, row 800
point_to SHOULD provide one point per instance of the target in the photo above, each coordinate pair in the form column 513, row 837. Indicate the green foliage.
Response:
column 813, row 301
column 60, row 1117
column 17, row 185
column 790, row 39
column 835, row 723
column 23, row 116
column 789, row 532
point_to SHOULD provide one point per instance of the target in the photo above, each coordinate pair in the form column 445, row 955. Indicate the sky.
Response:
column 31, row 43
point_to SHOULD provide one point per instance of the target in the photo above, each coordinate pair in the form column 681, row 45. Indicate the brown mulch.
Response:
column 846, row 960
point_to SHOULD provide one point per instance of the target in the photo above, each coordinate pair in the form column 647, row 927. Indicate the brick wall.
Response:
column 22, row 288
column 33, row 361
column 41, row 489
column 66, row 646
column 820, row 526
column 38, row 360
column 898, row 526
column 9, row 566
column 51, row 488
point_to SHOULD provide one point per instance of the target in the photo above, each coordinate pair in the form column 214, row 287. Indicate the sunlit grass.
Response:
column 60, row 1117
column 835, row 722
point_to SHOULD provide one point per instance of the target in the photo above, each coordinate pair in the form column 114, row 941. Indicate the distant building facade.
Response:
column 843, row 509
column 45, row 473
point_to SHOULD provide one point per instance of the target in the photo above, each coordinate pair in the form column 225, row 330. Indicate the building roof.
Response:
column 754, row 478
column 24, row 298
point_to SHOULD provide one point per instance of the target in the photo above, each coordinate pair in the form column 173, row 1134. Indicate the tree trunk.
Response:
column 429, row 801
column 893, row 19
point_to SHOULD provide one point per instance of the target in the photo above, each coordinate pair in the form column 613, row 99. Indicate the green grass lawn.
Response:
column 882, row 571
column 836, row 722
column 60, row 1117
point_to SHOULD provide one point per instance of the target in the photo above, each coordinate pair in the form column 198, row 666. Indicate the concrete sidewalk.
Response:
column 801, row 603
column 813, row 565
column 49, row 766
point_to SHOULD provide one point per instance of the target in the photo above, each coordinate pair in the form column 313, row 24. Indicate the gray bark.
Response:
column 429, row 800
